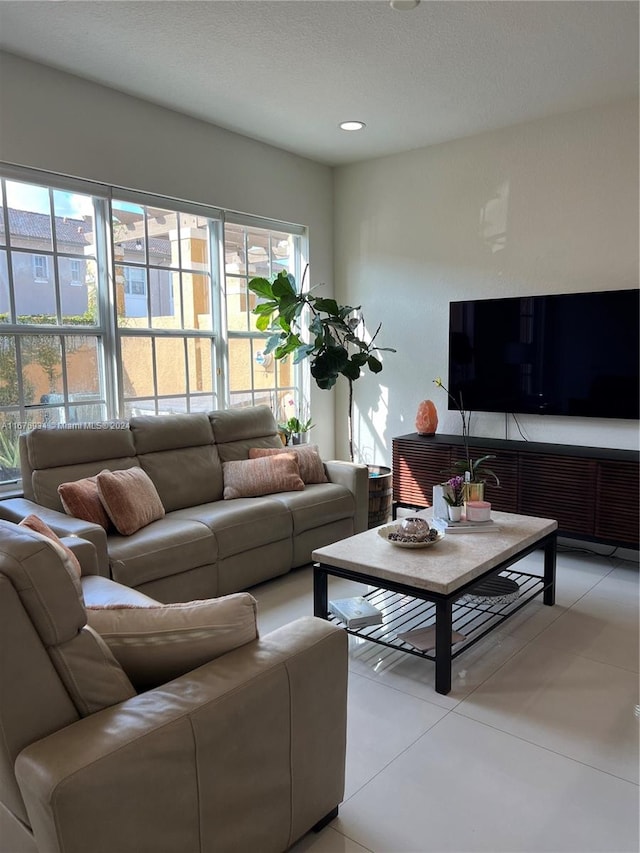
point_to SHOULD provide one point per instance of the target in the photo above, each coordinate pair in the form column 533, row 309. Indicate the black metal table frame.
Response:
column 443, row 602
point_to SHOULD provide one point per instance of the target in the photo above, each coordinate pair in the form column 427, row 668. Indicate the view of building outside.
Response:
column 111, row 308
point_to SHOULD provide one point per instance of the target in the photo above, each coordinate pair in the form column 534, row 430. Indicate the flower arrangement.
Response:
column 471, row 470
column 453, row 491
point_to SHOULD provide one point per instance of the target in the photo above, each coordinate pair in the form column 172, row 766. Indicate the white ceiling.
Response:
column 286, row 72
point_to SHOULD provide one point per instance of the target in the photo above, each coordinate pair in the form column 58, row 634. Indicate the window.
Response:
column 151, row 325
column 75, row 270
column 40, row 267
column 256, row 378
column 135, row 281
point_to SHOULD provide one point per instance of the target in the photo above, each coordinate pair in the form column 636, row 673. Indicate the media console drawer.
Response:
column 591, row 491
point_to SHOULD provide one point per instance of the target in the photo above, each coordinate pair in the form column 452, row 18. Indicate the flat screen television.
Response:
column 567, row 354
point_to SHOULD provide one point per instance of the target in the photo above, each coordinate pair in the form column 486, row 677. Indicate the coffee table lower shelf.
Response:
column 403, row 613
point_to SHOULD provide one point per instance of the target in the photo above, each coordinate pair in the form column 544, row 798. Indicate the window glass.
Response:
column 78, row 295
column 74, row 223
column 34, row 288
column 5, row 299
column 3, row 230
column 199, row 365
column 42, row 367
column 170, row 367
column 9, row 387
column 83, row 358
column 29, row 216
column 165, row 299
column 137, row 366
column 131, row 297
column 10, row 429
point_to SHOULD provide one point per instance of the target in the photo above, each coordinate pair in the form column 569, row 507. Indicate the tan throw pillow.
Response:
column 130, row 499
column 155, row 644
column 250, row 478
column 81, row 500
column 38, row 526
column 309, row 461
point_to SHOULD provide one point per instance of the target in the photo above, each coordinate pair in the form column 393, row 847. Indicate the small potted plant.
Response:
column 453, row 494
column 295, row 430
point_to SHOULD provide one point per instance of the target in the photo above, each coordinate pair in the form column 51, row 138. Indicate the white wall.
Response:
column 545, row 207
column 61, row 123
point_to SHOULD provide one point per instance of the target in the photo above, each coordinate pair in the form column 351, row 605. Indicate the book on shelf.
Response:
column 424, row 639
column 355, row 612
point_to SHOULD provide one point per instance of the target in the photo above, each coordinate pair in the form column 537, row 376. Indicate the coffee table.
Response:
column 421, row 588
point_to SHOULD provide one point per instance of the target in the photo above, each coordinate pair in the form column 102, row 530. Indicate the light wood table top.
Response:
column 444, row 566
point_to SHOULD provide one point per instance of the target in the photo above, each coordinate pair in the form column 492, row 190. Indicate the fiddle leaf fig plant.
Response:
column 336, row 346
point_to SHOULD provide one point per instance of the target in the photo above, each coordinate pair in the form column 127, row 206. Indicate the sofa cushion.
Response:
column 250, row 478
column 90, row 672
column 179, row 454
column 38, row 526
column 318, row 505
column 55, row 448
column 81, row 499
column 156, row 643
column 169, row 546
column 309, row 461
column 45, row 481
column 244, row 524
column 130, row 499
column 237, row 430
column 100, row 591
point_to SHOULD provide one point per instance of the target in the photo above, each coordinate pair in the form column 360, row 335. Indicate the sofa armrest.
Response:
column 355, row 478
column 245, row 753
column 85, row 553
column 15, row 509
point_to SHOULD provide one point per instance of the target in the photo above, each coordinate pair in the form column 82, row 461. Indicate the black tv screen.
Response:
column 567, row 354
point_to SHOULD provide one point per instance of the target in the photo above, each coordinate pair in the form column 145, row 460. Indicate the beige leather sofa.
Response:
column 245, row 753
column 204, row 546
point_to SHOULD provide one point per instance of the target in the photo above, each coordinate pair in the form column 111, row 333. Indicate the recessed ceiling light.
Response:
column 352, row 125
column 404, row 5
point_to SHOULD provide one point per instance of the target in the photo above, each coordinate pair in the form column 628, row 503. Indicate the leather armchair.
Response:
column 245, row 753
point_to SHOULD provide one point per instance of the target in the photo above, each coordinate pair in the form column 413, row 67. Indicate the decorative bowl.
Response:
column 385, row 531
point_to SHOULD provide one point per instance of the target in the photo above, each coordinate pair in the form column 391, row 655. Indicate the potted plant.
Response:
column 453, row 495
column 473, row 471
column 336, row 346
column 295, row 430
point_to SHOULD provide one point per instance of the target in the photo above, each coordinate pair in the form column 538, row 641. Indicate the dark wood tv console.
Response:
column 591, row 491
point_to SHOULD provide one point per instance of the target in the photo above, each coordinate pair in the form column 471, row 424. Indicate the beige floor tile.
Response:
column 467, row 787
column 621, row 584
column 329, row 840
column 574, row 706
column 381, row 724
column 597, row 627
column 415, row 676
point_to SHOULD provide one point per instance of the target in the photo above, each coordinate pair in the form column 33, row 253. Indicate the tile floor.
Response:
column 535, row 748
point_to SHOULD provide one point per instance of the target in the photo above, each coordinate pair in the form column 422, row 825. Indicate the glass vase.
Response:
column 473, row 492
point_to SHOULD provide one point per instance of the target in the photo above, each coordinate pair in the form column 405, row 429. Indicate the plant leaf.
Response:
column 261, row 286
column 328, row 306
column 263, row 322
column 284, row 286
